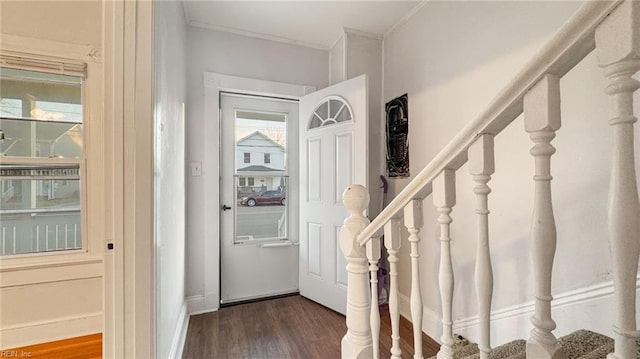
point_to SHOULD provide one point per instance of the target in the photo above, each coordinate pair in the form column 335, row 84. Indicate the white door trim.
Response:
column 129, row 276
column 214, row 83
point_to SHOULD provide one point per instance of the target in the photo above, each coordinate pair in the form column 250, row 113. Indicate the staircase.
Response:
column 612, row 28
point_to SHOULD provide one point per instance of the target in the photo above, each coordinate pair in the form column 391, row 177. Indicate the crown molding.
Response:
column 405, row 18
column 258, row 35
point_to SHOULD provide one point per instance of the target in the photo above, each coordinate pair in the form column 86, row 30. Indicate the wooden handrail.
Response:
column 574, row 41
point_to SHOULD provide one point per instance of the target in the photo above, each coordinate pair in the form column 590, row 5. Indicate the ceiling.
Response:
column 310, row 23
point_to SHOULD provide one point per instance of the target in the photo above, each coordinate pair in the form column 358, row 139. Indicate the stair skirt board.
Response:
column 585, row 308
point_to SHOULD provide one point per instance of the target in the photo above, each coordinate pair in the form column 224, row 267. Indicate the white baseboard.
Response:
column 50, row 330
column 199, row 304
column 589, row 308
column 180, row 334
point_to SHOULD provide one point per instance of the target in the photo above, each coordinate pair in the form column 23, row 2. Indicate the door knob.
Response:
column 225, row 207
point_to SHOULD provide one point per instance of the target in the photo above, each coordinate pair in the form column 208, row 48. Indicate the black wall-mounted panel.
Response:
column 397, row 129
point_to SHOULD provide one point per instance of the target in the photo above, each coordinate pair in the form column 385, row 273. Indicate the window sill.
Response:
column 47, row 260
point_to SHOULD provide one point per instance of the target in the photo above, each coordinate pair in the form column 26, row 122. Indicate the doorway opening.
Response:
column 259, row 196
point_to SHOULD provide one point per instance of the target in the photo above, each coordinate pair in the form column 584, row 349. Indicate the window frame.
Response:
column 247, row 157
column 267, row 158
column 43, row 53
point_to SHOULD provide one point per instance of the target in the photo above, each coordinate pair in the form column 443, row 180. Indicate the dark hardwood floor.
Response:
column 291, row 327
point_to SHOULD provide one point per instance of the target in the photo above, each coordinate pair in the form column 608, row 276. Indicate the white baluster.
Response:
column 373, row 255
column 481, row 167
column 618, row 46
column 413, row 222
column 356, row 344
column 392, row 241
column 444, row 198
column 542, row 119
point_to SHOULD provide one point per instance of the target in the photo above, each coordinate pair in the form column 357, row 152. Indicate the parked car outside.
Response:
column 265, row 197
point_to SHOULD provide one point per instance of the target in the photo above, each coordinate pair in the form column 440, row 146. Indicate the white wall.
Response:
column 57, row 296
column 364, row 56
column 352, row 55
column 452, row 58
column 236, row 55
column 171, row 88
column 337, row 61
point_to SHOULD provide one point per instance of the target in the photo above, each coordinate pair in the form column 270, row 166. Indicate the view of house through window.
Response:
column 41, row 153
column 261, row 172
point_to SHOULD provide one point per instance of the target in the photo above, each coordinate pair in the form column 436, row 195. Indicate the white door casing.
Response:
column 256, row 268
column 203, row 221
column 333, row 155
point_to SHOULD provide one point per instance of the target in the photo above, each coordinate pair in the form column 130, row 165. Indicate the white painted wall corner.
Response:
column 198, row 304
column 180, row 334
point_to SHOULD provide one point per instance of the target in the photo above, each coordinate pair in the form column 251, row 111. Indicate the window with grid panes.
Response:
column 41, row 156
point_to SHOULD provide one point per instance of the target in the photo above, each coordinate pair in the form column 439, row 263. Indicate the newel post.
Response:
column 356, row 344
column 618, row 47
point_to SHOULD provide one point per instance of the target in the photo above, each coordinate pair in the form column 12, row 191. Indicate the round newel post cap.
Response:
column 355, row 198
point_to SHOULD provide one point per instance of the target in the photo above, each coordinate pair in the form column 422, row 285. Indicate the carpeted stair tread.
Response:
column 512, row 350
column 466, row 351
column 599, row 353
column 582, row 342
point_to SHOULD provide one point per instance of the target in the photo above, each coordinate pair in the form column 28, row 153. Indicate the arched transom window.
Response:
column 331, row 111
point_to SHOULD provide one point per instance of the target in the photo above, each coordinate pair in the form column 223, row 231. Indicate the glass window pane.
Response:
column 330, row 112
column 41, row 139
column 261, row 142
column 315, row 122
column 344, row 115
column 41, row 114
column 10, row 107
column 323, row 110
column 261, row 212
column 39, row 208
column 58, row 111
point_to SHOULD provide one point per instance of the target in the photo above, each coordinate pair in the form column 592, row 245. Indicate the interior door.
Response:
column 259, row 212
column 333, row 155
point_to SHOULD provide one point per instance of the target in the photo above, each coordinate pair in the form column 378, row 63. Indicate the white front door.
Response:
column 333, row 155
column 259, row 212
